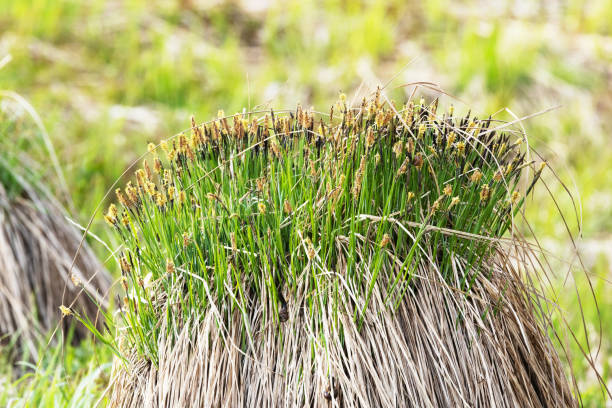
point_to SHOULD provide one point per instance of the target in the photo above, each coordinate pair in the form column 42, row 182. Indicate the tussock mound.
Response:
column 365, row 258
column 37, row 247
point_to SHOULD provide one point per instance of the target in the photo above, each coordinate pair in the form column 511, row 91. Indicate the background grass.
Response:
column 109, row 76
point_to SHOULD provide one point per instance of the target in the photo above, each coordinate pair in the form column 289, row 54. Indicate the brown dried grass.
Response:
column 37, row 246
column 441, row 347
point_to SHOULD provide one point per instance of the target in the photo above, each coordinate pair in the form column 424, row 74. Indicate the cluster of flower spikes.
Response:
column 287, row 185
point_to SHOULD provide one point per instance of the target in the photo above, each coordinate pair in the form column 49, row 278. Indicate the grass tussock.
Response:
column 37, row 248
column 365, row 257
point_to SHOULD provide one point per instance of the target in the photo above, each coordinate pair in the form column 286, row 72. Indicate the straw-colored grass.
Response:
column 363, row 258
column 37, row 245
column 36, row 248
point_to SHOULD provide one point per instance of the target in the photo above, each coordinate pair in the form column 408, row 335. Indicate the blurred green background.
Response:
column 107, row 77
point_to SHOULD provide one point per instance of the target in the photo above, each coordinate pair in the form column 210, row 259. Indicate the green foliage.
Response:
column 67, row 376
column 246, row 202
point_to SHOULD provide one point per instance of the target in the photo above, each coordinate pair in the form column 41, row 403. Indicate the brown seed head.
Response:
column 398, row 148
column 476, row 176
column 485, row 193
column 66, row 311
column 170, row 268
column 418, row 161
column 385, row 240
column 516, row 196
column 186, row 239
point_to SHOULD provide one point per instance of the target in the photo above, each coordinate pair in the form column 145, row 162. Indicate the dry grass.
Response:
column 37, row 240
column 37, row 245
column 440, row 348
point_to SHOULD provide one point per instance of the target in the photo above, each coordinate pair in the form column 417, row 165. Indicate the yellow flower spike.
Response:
column 186, row 239
column 409, row 196
column 261, row 207
column 341, row 180
column 404, row 167
column 132, row 193
column 370, row 138
column 311, row 251
column 261, row 182
column 150, row 188
column 516, row 196
column 385, row 240
column 172, row 155
column 398, row 148
column 275, row 147
column 160, row 199
column 454, row 202
column 438, row 136
column 75, row 281
column 498, row 176
column 421, row 131
column 182, row 197
column 233, row 241
column 170, row 268
column 121, row 198
column 171, row 193
column 164, row 145
column 141, row 178
column 461, row 148
column 125, row 220
column 410, row 146
column 485, row 193
column 157, row 166
column 111, row 215
column 168, row 177
column 448, row 190
column 377, row 102
column 450, row 140
column 542, row 167
column 147, row 170
column 151, row 147
column 377, row 158
column 471, row 126
column 215, row 131
column 379, row 119
column 358, row 177
column 66, row 311
column 476, row 176
column 451, row 110
column 436, row 205
column 125, row 265
column 183, row 143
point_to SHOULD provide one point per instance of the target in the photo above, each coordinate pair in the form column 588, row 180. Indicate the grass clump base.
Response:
column 364, row 257
column 38, row 246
